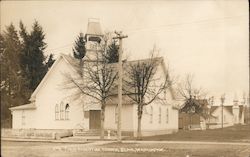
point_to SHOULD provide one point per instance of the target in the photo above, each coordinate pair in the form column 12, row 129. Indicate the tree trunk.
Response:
column 102, row 119
column 139, row 128
column 139, row 113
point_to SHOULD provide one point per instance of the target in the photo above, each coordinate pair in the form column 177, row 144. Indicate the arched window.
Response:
column 167, row 115
column 57, row 112
column 159, row 114
column 67, row 112
column 61, row 111
column 151, row 114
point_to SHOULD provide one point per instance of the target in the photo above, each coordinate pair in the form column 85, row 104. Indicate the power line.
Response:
column 185, row 23
column 162, row 26
column 56, row 48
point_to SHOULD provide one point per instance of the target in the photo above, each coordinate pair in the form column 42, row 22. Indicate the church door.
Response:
column 94, row 119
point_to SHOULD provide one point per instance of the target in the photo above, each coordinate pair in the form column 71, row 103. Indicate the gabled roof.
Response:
column 33, row 95
column 30, row 106
column 72, row 62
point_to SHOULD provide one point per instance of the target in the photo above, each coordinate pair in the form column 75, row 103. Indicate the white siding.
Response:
column 127, row 118
column 52, row 93
column 155, row 127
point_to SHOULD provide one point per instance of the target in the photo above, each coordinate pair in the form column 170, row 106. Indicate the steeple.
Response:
column 94, row 37
column 94, row 31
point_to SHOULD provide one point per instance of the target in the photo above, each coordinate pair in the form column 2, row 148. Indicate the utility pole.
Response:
column 222, row 102
column 119, row 37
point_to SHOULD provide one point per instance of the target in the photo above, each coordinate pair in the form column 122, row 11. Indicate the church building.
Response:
column 51, row 107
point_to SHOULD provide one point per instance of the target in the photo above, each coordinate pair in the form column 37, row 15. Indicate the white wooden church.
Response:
column 51, row 108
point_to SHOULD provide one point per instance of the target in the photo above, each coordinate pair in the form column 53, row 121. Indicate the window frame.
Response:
column 66, row 112
column 62, row 112
column 151, row 115
column 159, row 120
column 167, row 116
column 57, row 112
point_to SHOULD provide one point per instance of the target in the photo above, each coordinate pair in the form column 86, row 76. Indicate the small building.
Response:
column 190, row 117
column 228, row 115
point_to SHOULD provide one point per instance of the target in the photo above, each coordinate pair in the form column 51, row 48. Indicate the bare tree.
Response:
column 97, row 80
column 193, row 98
column 143, row 86
column 187, row 90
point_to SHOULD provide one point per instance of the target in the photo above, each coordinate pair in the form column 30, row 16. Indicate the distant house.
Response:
column 51, row 107
column 232, row 114
column 194, row 117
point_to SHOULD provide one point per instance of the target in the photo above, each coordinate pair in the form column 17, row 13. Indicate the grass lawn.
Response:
column 238, row 133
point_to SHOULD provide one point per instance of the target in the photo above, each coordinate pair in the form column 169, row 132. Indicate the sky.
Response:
column 207, row 38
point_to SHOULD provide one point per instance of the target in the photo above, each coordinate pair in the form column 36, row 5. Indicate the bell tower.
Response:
column 94, row 38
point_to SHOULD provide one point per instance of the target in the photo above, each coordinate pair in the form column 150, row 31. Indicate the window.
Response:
column 57, row 112
column 151, row 114
column 159, row 114
column 23, row 118
column 61, row 111
column 67, row 112
column 167, row 115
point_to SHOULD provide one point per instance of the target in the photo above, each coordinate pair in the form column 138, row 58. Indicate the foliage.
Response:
column 13, row 84
column 22, row 66
column 196, row 106
column 50, row 61
column 79, row 50
column 32, row 54
column 113, row 52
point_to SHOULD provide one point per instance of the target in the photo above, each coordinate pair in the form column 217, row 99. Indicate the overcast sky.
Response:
column 207, row 38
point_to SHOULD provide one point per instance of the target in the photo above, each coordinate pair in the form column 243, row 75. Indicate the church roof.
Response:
column 159, row 60
column 73, row 62
column 26, row 107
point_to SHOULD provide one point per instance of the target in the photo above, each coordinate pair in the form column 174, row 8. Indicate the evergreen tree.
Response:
column 32, row 56
column 112, row 52
column 79, row 50
column 13, row 87
column 50, row 61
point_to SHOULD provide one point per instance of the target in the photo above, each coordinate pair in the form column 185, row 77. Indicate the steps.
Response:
column 92, row 132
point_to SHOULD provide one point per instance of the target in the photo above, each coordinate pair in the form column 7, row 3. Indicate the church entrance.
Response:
column 94, row 119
